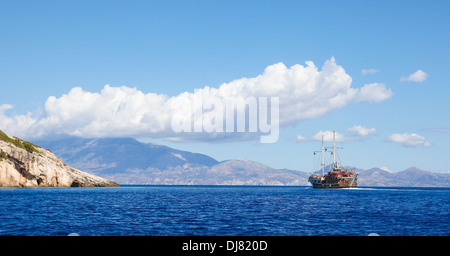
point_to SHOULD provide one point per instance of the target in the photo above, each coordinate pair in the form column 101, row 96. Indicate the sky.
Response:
column 376, row 72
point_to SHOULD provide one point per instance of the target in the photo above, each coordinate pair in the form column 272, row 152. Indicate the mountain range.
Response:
column 128, row 161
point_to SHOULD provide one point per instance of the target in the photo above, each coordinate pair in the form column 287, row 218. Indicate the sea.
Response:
column 224, row 211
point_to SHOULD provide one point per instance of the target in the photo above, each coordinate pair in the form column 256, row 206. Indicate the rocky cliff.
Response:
column 23, row 164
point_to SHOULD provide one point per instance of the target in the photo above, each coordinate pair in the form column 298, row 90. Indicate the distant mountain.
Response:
column 245, row 172
column 376, row 177
column 117, row 155
column 232, row 172
column 411, row 177
column 128, row 161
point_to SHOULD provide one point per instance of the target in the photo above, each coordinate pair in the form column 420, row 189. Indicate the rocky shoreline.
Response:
column 23, row 164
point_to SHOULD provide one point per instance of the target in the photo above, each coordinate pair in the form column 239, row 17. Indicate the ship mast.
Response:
column 334, row 148
column 322, row 156
column 331, row 150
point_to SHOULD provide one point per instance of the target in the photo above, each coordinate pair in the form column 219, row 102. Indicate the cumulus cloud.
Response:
column 409, row 139
column 361, row 131
column 300, row 138
column 418, row 77
column 374, row 92
column 356, row 132
column 328, row 136
column 304, row 92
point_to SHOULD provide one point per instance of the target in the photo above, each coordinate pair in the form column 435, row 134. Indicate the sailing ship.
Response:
column 337, row 177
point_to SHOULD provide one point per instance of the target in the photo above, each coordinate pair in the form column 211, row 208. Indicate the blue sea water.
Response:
column 224, row 210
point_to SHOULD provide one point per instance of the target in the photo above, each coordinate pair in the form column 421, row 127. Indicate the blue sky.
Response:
column 167, row 48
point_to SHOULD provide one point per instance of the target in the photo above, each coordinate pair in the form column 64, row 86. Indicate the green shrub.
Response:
column 18, row 142
column 4, row 137
column 3, row 154
column 29, row 147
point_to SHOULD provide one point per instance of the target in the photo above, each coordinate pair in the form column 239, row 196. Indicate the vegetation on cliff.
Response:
column 23, row 164
column 18, row 142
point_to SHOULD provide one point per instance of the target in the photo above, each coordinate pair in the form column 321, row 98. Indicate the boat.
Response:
column 336, row 177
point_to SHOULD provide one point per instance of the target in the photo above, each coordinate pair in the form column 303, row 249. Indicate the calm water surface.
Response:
column 224, row 210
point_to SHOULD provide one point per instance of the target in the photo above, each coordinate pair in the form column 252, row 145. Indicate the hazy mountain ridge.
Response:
column 110, row 156
column 128, row 161
column 411, row 177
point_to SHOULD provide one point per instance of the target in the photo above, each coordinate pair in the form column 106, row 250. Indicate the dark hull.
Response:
column 331, row 186
column 333, row 182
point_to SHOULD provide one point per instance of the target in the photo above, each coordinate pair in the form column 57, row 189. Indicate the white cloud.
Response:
column 418, row 77
column 301, row 138
column 409, row 139
column 375, row 92
column 304, row 92
column 369, row 71
column 328, row 136
column 356, row 132
column 5, row 107
column 361, row 131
